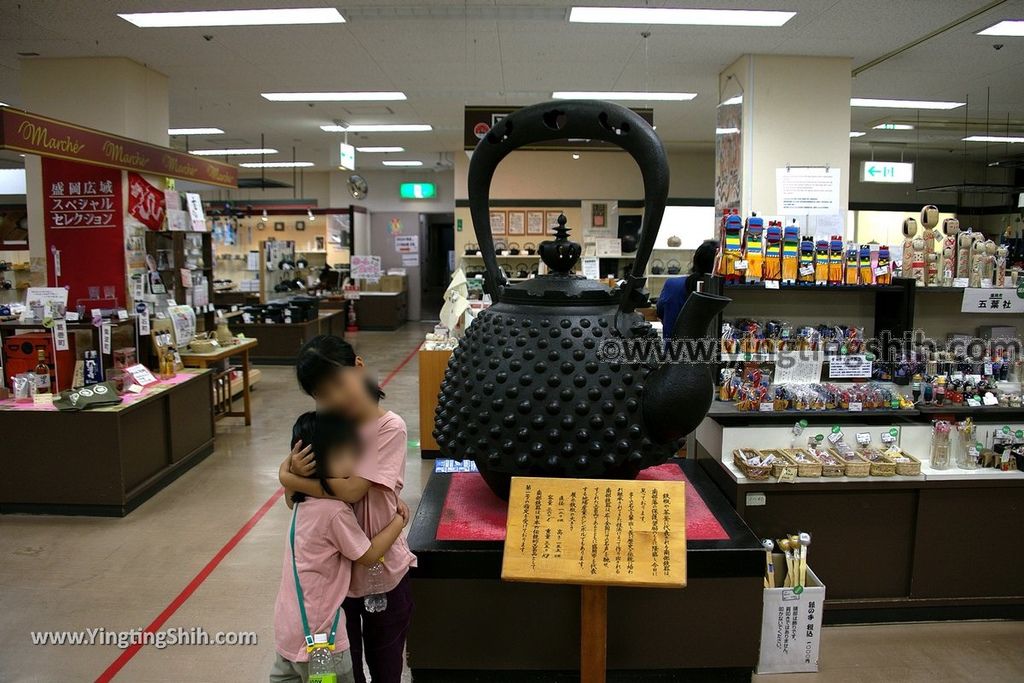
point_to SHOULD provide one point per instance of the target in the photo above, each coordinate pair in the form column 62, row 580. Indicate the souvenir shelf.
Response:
column 185, row 257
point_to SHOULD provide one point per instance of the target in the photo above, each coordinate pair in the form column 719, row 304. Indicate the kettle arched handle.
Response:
column 588, row 119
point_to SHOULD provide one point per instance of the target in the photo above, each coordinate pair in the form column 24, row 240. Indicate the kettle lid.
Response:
column 560, row 286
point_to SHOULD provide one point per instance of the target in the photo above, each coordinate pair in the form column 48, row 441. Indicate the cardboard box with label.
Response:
column 791, row 625
column 392, row 283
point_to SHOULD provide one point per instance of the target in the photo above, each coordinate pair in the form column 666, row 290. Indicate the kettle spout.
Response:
column 678, row 395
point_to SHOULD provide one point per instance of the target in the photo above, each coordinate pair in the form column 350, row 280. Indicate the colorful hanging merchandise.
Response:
column 790, row 253
column 883, row 271
column 835, row 260
column 806, row 272
column 773, row 251
column 755, row 247
column 732, row 247
column 864, row 265
column 821, row 263
column 851, row 265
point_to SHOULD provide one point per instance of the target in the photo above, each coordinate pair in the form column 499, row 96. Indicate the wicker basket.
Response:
column 832, row 465
column 782, row 461
column 906, row 464
column 881, row 466
column 855, row 465
column 750, row 471
column 810, row 467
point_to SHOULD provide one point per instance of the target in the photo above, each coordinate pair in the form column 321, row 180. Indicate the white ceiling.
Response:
column 444, row 55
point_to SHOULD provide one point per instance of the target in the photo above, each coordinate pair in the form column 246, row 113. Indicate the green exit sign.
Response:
column 418, row 190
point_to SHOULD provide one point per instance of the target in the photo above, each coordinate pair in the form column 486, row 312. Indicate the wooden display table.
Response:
column 382, row 310
column 713, row 624
column 105, row 461
column 432, row 367
column 221, row 400
column 280, row 342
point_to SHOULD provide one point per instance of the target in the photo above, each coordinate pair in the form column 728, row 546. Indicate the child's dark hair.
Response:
column 323, row 431
column 321, row 357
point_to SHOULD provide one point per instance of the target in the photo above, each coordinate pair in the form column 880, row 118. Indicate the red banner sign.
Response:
column 34, row 134
column 84, row 223
column 145, row 202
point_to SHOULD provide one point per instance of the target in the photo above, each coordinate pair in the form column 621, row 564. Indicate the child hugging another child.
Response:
column 324, row 541
column 378, row 611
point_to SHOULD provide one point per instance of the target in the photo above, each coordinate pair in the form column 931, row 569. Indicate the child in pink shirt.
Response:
column 324, row 541
column 330, row 372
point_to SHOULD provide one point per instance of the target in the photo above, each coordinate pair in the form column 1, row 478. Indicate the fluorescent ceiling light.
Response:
column 623, row 95
column 277, row 164
column 992, row 138
column 1009, row 27
column 894, row 126
column 402, row 163
column 236, row 17
column 857, row 133
column 689, row 17
column 726, row 131
column 231, row 152
column 379, row 150
column 902, row 104
column 194, row 131
column 379, row 128
column 333, row 96
column 735, row 99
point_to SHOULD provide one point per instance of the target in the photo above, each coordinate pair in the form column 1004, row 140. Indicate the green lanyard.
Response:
column 302, row 600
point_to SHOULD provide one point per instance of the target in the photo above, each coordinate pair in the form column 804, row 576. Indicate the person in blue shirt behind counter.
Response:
column 677, row 289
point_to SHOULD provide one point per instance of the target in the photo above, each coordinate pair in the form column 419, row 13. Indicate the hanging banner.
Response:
column 145, row 202
column 33, row 134
column 83, row 214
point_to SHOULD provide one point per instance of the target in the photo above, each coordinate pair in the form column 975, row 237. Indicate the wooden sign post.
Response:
column 596, row 533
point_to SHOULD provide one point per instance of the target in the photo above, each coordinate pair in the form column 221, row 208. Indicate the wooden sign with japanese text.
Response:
column 596, row 531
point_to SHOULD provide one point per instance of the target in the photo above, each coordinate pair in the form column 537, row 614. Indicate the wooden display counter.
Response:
column 382, row 310
column 432, row 367
column 105, row 461
column 927, row 546
column 483, row 628
column 280, row 342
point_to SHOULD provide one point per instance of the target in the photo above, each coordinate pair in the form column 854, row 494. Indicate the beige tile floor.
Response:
column 59, row 573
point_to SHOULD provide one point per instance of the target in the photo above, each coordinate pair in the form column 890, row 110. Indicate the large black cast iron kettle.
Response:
column 536, row 387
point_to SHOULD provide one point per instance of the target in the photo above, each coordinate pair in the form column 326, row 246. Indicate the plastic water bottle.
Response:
column 376, row 601
column 321, row 661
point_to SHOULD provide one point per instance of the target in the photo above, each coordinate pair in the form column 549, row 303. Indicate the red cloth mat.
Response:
column 472, row 512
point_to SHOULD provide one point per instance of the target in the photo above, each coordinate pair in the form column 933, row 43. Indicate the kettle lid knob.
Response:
column 561, row 254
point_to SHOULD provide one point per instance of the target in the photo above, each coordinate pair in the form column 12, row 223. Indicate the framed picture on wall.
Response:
column 498, row 223
column 552, row 220
column 516, row 222
column 300, row 225
column 279, row 226
column 534, row 222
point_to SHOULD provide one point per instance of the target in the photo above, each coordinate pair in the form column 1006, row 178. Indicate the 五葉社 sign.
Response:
column 993, row 300
column 30, row 133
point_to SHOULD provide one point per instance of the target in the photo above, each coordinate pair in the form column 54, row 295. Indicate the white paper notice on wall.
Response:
column 810, row 191
column 410, row 259
column 105, row 338
column 849, row 367
column 407, row 244
column 591, row 267
column 798, row 367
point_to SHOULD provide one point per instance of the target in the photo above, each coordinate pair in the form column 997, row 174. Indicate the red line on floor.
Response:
column 398, row 368
column 194, row 584
column 205, row 572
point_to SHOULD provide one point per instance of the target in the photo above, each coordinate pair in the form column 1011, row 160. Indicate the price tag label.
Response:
column 122, row 314
column 60, row 334
column 787, row 475
column 141, row 374
column 806, row 270
column 71, row 316
column 973, row 403
column 988, row 368
column 986, row 283
column 881, row 270
column 96, row 313
column 835, row 437
column 740, row 265
column 234, row 309
column 989, row 399
column 771, row 284
column 767, row 407
column 135, row 388
column 961, row 282
column 105, row 338
column 856, row 406
column 864, row 438
column 888, row 438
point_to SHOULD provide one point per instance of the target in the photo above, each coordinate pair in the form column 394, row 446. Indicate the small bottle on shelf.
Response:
column 42, row 373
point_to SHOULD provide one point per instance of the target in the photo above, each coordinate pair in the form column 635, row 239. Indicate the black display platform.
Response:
column 481, row 628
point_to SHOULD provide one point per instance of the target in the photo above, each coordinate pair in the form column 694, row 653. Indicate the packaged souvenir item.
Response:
column 806, row 273
column 755, row 247
column 835, row 260
column 773, row 252
column 821, row 262
column 732, row 246
column 790, row 255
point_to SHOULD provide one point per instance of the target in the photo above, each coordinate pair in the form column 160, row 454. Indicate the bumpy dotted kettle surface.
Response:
column 528, row 395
